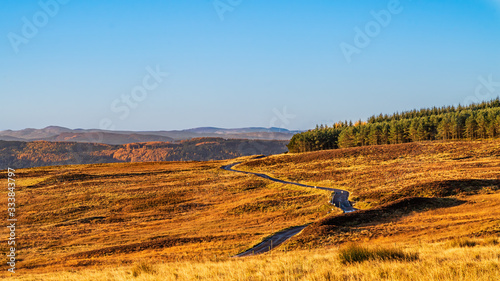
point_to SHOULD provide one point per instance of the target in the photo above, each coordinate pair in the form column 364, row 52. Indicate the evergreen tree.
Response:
column 473, row 121
column 470, row 127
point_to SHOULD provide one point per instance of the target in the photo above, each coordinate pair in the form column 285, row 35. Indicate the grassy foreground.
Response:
column 435, row 262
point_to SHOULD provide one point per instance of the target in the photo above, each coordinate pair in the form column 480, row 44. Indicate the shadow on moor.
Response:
column 399, row 204
column 381, row 214
column 443, row 188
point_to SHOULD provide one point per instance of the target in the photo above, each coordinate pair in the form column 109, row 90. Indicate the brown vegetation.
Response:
column 432, row 206
column 431, row 191
column 114, row 214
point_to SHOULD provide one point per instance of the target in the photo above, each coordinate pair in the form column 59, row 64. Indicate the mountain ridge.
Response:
column 58, row 133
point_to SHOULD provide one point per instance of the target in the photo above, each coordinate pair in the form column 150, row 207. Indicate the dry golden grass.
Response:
column 381, row 174
column 466, row 173
column 477, row 218
column 117, row 214
column 182, row 221
column 435, row 262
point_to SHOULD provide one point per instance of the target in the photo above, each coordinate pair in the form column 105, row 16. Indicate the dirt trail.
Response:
column 340, row 199
column 272, row 242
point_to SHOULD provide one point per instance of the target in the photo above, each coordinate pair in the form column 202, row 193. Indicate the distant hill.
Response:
column 17, row 154
column 9, row 138
column 107, row 138
column 55, row 133
column 34, row 134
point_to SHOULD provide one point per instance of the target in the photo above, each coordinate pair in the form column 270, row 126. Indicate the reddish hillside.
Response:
column 44, row 153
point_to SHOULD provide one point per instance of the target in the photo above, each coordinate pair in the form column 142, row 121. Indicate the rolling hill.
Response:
column 56, row 133
column 437, row 201
column 106, row 138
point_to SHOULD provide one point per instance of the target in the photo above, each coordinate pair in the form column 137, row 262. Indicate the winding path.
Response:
column 273, row 241
column 340, row 199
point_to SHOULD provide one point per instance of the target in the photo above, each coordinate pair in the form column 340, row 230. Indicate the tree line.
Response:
column 446, row 123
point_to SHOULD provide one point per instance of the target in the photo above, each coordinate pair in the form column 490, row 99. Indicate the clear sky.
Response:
column 230, row 63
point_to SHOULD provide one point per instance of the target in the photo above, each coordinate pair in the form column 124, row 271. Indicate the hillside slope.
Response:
column 407, row 191
column 113, row 214
column 43, row 153
column 191, row 217
column 379, row 174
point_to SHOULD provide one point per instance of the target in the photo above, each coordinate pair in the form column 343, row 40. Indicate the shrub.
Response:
column 355, row 253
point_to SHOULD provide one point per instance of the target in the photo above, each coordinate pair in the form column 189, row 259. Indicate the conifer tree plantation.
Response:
column 476, row 121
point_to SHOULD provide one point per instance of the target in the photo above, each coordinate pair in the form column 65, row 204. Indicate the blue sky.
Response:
column 250, row 63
